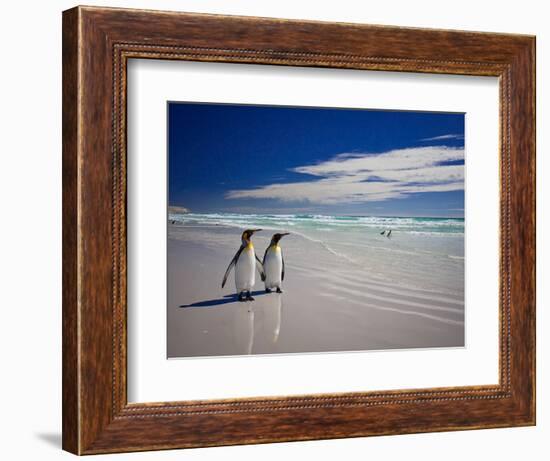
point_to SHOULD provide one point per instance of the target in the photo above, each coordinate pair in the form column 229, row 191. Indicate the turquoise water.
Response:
column 305, row 222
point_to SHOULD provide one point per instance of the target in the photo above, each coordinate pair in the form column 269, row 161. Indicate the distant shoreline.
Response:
column 178, row 209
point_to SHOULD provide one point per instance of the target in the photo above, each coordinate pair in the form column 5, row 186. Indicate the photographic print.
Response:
column 311, row 229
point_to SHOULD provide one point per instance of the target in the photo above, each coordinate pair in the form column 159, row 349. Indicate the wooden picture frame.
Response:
column 97, row 43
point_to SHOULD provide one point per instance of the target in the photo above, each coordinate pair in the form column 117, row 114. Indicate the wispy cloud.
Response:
column 444, row 137
column 355, row 178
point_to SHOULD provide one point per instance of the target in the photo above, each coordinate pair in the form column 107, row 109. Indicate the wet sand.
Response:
column 328, row 304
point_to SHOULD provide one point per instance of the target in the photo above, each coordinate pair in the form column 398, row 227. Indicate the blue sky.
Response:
column 273, row 159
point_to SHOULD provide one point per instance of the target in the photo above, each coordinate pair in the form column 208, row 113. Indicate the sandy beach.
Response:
column 343, row 291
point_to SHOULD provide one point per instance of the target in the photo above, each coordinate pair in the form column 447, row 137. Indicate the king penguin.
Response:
column 246, row 262
column 274, row 264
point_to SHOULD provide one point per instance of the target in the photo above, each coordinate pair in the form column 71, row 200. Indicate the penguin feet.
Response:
column 268, row 290
column 242, row 297
column 249, row 296
column 279, row 290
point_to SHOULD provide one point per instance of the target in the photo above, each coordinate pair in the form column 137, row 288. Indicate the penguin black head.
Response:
column 248, row 233
column 276, row 237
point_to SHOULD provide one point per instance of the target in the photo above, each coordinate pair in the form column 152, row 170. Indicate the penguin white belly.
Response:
column 245, row 270
column 273, row 268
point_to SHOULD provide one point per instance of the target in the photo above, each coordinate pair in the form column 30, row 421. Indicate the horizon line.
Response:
column 326, row 215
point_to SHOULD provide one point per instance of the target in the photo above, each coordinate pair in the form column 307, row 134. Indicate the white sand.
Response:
column 330, row 303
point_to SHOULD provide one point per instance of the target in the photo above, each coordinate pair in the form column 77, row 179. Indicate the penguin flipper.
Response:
column 260, row 267
column 231, row 264
column 283, row 272
column 263, row 262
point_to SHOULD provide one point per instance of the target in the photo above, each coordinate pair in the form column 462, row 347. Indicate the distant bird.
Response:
column 383, row 232
column 274, row 264
column 246, row 262
column 389, row 233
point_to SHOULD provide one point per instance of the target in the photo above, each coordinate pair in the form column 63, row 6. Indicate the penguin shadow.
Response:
column 227, row 299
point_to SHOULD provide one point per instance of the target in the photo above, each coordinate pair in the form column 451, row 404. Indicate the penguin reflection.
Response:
column 246, row 262
column 262, row 326
column 274, row 264
column 278, row 313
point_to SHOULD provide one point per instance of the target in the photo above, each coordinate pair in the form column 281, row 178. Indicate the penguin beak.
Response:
column 285, row 233
column 256, row 230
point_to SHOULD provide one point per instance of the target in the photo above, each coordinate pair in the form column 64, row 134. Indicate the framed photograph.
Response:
column 281, row 230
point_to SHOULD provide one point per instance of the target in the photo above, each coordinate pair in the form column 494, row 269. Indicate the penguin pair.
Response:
column 271, row 269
